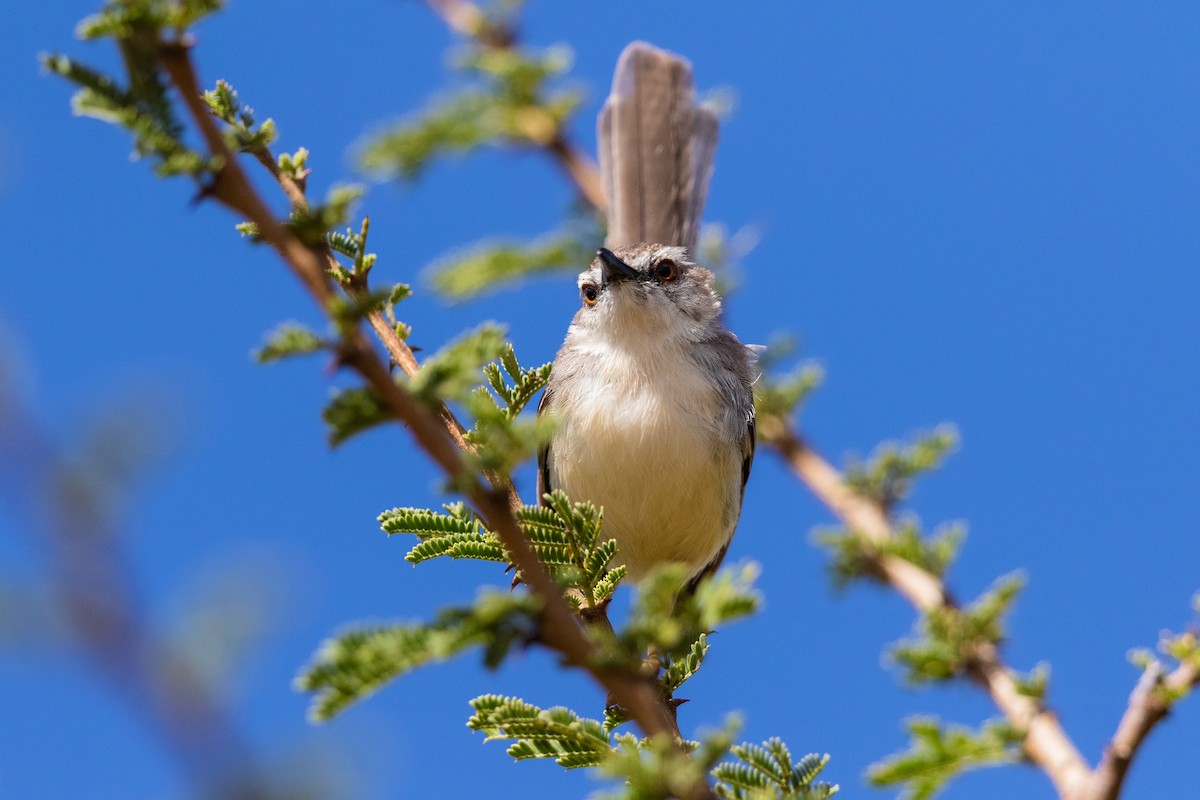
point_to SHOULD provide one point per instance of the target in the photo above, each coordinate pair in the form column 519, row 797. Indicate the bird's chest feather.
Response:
column 642, row 438
column 662, row 410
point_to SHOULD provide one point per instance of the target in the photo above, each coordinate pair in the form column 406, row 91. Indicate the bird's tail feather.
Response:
column 656, row 150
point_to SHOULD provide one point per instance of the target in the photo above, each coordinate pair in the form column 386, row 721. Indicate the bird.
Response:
column 651, row 395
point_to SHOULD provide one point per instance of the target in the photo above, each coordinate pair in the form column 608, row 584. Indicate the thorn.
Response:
column 207, row 190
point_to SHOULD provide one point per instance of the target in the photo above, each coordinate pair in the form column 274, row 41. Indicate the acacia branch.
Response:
column 467, row 19
column 559, row 628
column 1045, row 742
column 399, row 352
column 1148, row 705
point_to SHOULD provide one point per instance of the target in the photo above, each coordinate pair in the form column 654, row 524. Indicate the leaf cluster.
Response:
column 768, row 771
column 939, row 752
column 855, row 556
column 670, row 614
column 354, row 664
column 780, row 394
column 650, row 768
column 143, row 111
column 948, row 637
column 312, row 223
column 508, row 102
column 244, row 134
column 124, row 19
column 1181, row 648
column 501, row 436
column 455, row 369
column 564, row 535
column 352, row 411
column 671, row 618
column 487, row 265
column 887, row 476
column 143, row 104
column 655, row 769
column 559, row 733
column 289, row 340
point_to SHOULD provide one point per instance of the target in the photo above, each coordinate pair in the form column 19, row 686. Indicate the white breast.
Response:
column 640, row 435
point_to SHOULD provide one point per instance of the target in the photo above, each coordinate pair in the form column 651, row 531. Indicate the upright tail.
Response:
column 656, row 150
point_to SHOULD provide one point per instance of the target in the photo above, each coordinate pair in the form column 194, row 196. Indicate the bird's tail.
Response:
column 656, row 150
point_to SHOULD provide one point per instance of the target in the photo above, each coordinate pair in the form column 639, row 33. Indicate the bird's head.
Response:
column 647, row 287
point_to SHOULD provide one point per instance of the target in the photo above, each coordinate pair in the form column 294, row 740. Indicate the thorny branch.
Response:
column 1147, row 706
column 559, row 628
column 399, row 352
column 1046, row 742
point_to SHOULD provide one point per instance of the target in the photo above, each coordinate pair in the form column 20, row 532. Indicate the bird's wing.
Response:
column 748, row 445
column 543, row 473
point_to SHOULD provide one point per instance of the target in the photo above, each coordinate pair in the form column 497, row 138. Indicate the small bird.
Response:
column 652, row 395
column 655, row 410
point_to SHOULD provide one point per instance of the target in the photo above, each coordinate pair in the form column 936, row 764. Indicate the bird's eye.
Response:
column 666, row 271
column 589, row 294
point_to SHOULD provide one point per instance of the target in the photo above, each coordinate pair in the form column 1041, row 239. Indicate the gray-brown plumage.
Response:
column 655, row 410
column 652, row 395
column 656, row 150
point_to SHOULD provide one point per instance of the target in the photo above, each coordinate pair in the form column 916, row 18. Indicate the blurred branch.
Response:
column 559, row 628
column 467, row 19
column 93, row 584
column 1045, row 741
column 1148, row 704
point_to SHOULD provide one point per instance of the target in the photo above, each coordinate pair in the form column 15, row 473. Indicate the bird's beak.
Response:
column 612, row 268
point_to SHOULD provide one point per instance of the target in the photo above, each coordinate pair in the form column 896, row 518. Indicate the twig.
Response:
column 398, row 350
column 1148, row 705
column 580, row 169
column 467, row 19
column 1046, row 743
column 559, row 628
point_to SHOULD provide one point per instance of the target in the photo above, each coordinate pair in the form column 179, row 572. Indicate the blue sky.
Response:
column 978, row 213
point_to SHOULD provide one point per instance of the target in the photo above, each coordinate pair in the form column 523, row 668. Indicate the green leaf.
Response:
column 294, row 165
column 1181, row 648
column 856, row 556
column 682, row 668
column 1033, row 683
column 947, row 637
column 352, row 665
column 509, row 104
column 887, row 476
column 312, row 223
column 244, row 135
column 488, row 266
column 767, row 771
column 455, row 369
column 143, row 109
column 779, row 396
column 666, row 616
column 939, row 753
column 288, row 340
column 656, row 768
column 559, row 733
column 352, row 411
